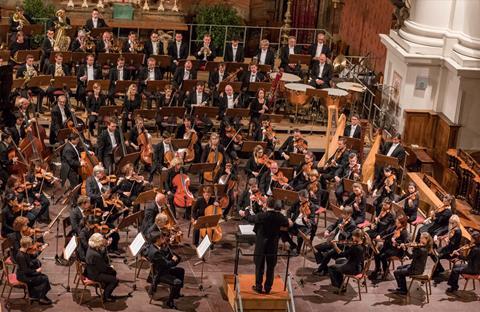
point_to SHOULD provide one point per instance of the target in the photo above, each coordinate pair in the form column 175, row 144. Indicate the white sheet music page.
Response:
column 246, row 229
column 203, row 247
column 71, row 247
column 137, row 244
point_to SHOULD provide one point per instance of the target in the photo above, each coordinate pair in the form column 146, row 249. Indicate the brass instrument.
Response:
column 116, row 46
column 62, row 41
column 165, row 38
column 58, row 71
column 137, row 46
column 89, row 43
column 29, row 73
column 19, row 18
column 205, row 51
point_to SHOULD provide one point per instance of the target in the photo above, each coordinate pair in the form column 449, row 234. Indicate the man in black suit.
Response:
column 87, row 72
column 57, row 69
column 153, row 46
column 59, row 116
column 234, row 52
column 151, row 72
column 77, row 214
column 178, row 50
column 47, row 48
column 229, row 99
column 95, row 21
column 118, row 73
column 267, row 184
column 471, row 267
column 159, row 151
column 15, row 25
column 217, row 76
column 321, row 73
column 394, row 148
column 104, row 45
column 319, row 48
column 152, row 210
column 95, row 100
column 198, row 97
column 29, row 69
column 353, row 130
column 184, row 73
column 265, row 56
column 108, row 140
column 131, row 45
column 253, row 75
column 17, row 131
column 285, row 52
column 95, row 188
column 58, row 19
column 71, row 161
column 289, row 145
column 206, row 51
column 268, row 225
column 337, row 160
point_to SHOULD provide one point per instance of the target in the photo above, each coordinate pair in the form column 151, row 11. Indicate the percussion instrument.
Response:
column 297, row 93
column 336, row 92
column 351, row 86
column 286, row 78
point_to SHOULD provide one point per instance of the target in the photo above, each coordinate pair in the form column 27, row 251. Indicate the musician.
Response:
column 256, row 164
column 229, row 100
column 265, row 56
column 98, row 267
column 183, row 73
column 392, row 239
column 319, row 48
column 353, row 130
column 134, row 133
column 394, row 148
column 234, row 52
column 350, row 171
column 300, row 177
column 159, row 226
column 383, row 222
column 178, row 50
column 106, row 143
column 453, row 239
column 302, row 217
column 411, row 201
column 251, row 200
column 385, row 188
column 59, row 115
column 268, row 180
column 472, row 267
column 60, row 18
column 16, row 26
column 291, row 144
column 105, row 44
column 170, row 188
column 36, row 196
column 336, row 161
column 47, row 48
column 253, row 75
column 153, row 46
column 151, row 72
column 95, row 100
column 71, row 161
column 353, row 264
column 185, row 131
column 317, row 195
column 197, row 98
column 165, row 270
column 268, row 225
column 20, row 43
column 358, row 201
column 23, row 108
column 58, row 69
column 229, row 178
column 29, row 271
column 265, row 133
column 258, row 107
column 77, row 214
column 217, row 76
column 132, row 44
column 285, row 52
column 5, row 163
column 417, row 266
column 215, row 149
column 321, row 73
column 95, row 21
column 152, row 210
column 159, row 151
column 80, row 42
column 118, row 73
column 131, row 102
column 129, row 186
column 341, row 230
column 28, row 70
column 199, row 210
column 206, row 52
column 87, row 72
column 87, row 230
column 8, row 214
column 17, row 131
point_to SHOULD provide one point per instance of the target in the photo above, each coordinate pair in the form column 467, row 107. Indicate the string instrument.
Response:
column 21, row 164
column 192, row 140
column 183, row 197
column 258, row 198
column 45, row 175
column 41, row 134
column 89, row 160
column 20, row 207
column 235, row 136
column 146, row 149
column 176, row 235
column 265, row 161
column 96, row 212
column 36, row 248
column 273, row 90
column 301, row 145
column 305, row 208
column 214, row 157
column 214, row 233
column 412, row 245
column 463, row 248
column 270, row 134
column 346, row 242
column 121, row 150
column 231, row 77
column 169, row 156
column 31, row 147
column 382, row 215
column 313, row 188
column 109, row 179
column 281, row 179
column 226, row 179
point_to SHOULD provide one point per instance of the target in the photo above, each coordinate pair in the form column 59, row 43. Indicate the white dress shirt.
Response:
column 112, row 138
column 166, row 147
column 392, row 148
column 95, row 22
column 291, row 50
column 199, row 98
column 319, row 50
column 263, row 56
column 120, row 73
column 320, row 69
column 155, row 48
column 64, row 116
column 179, row 44
column 186, row 75
column 234, row 52
column 352, row 130
column 90, row 75
column 76, row 151
column 151, row 74
column 230, row 101
column 99, row 184
column 253, row 77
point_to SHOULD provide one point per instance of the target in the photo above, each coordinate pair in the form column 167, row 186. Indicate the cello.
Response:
column 183, row 198
column 146, row 149
column 31, row 147
column 214, row 157
column 190, row 152
column 215, row 232
column 121, row 150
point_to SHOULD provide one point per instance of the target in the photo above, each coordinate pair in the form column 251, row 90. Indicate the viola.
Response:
column 146, row 149
column 171, row 227
column 109, row 179
column 305, row 208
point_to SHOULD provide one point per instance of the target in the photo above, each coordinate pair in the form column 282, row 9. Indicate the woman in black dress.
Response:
column 133, row 101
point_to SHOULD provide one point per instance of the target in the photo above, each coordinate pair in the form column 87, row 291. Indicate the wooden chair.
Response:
column 10, row 280
column 360, row 277
column 320, row 211
column 391, row 262
column 7, row 259
column 86, row 282
column 425, row 279
column 139, row 266
column 471, row 277
column 371, row 210
column 422, row 206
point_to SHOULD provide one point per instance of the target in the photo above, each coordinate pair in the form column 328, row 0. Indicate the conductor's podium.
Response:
column 248, row 300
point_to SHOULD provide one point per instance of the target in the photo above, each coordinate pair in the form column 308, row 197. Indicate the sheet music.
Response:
column 70, row 248
column 203, row 247
column 246, row 229
column 137, row 244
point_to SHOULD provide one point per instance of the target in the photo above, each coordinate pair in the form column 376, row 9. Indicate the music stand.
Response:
column 168, row 111
column 66, row 81
column 236, row 86
column 299, row 59
column 201, row 168
column 180, row 143
column 189, row 84
column 264, row 68
column 76, row 57
column 202, row 248
column 353, row 143
column 284, row 195
column 335, row 209
column 21, row 55
column 113, row 110
column 233, row 66
column 127, row 159
column 296, row 158
column 128, row 221
column 163, row 61
column 40, row 81
column 254, row 86
column 249, row 146
column 121, row 86
column 211, row 66
column 17, row 83
column 306, row 244
column 287, row 172
column 63, row 134
column 237, row 112
column 209, row 111
column 145, row 113
column 145, row 197
column 275, row 118
column 156, row 86
column 33, row 29
column 348, row 185
column 108, row 58
column 104, row 84
column 135, row 247
column 383, row 161
column 97, row 32
column 66, row 57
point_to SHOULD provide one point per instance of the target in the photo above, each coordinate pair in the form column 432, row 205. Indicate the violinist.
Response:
column 18, row 129
column 162, row 152
column 36, row 194
column 199, row 210
column 59, row 115
column 340, row 231
column 358, row 201
column 300, row 177
column 130, row 185
column 302, row 217
column 292, row 145
column 383, row 222
column 152, row 210
column 71, row 161
column 231, row 137
column 98, row 267
column 338, row 160
column 392, row 240
column 78, row 213
column 391, row 149
column 132, row 101
column 471, row 267
column 159, row 226
column 257, row 163
column 353, row 130
column 353, row 264
column 265, row 133
column 419, row 258
column 106, row 143
column 21, row 229
column 351, row 171
column 453, row 240
column 411, row 201
column 271, row 179
column 94, row 101
column 318, row 196
column 97, row 190
column 87, row 230
column 29, row 271
column 6, row 147
column 251, row 201
column 437, row 222
column 385, row 188
column 214, row 152
column 164, row 263
column 187, row 131
column 8, row 214
column 216, row 77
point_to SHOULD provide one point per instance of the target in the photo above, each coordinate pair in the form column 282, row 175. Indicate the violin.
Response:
column 463, row 248
column 97, row 212
column 146, row 149
column 301, row 145
column 236, row 136
column 305, row 208
column 280, row 179
column 171, row 227
column 29, row 231
column 43, row 174
column 109, row 179
column 307, row 168
column 36, row 247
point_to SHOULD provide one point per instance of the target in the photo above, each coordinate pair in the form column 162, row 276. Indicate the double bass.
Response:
column 215, row 232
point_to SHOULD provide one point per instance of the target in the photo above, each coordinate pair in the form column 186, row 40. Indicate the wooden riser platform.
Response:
column 276, row 301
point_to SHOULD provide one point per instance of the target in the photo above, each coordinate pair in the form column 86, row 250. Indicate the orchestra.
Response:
column 198, row 162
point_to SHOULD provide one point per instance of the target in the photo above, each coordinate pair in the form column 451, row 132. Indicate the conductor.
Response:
column 268, row 225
